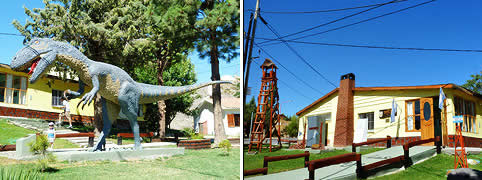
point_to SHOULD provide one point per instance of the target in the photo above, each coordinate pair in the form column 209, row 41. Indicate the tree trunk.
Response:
column 98, row 123
column 219, row 133
column 161, row 63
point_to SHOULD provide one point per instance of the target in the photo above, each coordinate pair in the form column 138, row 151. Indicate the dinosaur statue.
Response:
column 118, row 90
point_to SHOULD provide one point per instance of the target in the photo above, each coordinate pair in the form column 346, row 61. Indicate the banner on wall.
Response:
column 361, row 131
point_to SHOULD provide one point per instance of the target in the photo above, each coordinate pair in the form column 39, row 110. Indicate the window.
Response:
column 233, row 120
column 466, row 108
column 412, row 115
column 371, row 119
column 56, row 95
column 13, row 89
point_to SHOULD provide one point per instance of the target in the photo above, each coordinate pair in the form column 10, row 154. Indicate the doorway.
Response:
column 427, row 119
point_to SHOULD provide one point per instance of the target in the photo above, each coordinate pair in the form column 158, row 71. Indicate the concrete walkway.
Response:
column 347, row 170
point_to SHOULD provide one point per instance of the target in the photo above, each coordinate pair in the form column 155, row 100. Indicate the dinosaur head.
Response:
column 31, row 57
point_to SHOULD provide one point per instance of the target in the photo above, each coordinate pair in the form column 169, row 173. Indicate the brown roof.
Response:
column 390, row 88
column 268, row 63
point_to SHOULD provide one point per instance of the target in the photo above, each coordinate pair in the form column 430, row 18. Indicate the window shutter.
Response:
column 230, row 120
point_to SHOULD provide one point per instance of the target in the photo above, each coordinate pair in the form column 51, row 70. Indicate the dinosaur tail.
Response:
column 153, row 93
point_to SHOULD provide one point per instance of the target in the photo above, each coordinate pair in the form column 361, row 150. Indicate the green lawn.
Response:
column 64, row 144
column 433, row 168
column 194, row 164
column 256, row 161
column 10, row 133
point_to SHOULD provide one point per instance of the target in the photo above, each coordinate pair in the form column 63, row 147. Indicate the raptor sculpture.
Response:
column 118, row 90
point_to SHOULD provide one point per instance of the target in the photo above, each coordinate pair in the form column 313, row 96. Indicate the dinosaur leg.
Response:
column 129, row 104
column 110, row 111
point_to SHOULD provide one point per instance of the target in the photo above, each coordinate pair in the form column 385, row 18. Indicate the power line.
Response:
column 296, row 53
column 279, row 63
column 359, row 22
column 336, row 20
column 286, row 84
column 377, row 47
column 10, row 34
column 320, row 11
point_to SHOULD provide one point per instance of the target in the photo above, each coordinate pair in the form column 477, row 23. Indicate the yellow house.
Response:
column 41, row 100
column 336, row 115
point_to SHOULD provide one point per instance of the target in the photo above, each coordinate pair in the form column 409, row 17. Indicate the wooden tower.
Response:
column 267, row 111
column 460, row 156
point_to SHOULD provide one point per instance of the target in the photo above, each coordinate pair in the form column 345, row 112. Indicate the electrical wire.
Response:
column 377, row 47
column 320, row 11
column 359, row 22
column 297, row 54
column 281, row 65
column 286, row 84
column 333, row 21
column 10, row 34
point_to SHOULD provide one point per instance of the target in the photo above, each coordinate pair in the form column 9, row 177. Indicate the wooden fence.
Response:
column 388, row 139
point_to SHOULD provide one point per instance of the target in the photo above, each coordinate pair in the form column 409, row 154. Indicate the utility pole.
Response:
column 245, row 89
column 247, row 42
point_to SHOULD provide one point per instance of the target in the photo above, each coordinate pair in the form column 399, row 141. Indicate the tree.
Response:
column 474, row 84
column 248, row 115
column 218, row 29
column 178, row 74
column 292, row 128
column 101, row 29
column 169, row 39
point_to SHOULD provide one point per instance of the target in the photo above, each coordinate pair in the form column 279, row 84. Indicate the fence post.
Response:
column 406, row 156
column 312, row 174
column 119, row 140
column 91, row 141
column 438, row 143
column 359, row 168
column 389, row 142
column 307, row 158
column 265, row 162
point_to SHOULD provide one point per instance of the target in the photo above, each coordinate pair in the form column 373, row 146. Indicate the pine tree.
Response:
column 219, row 39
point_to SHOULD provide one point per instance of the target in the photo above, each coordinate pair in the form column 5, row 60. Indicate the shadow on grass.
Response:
column 51, row 170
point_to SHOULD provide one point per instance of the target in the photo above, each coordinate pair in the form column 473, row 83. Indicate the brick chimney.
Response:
column 344, row 113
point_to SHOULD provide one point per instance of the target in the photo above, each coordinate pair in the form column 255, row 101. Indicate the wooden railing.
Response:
column 10, row 147
column 388, row 139
column 268, row 159
column 319, row 163
column 406, row 148
column 131, row 135
column 91, row 136
column 263, row 171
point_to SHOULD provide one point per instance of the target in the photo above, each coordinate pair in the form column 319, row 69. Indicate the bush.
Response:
column 191, row 134
column 40, row 147
column 16, row 173
column 226, row 145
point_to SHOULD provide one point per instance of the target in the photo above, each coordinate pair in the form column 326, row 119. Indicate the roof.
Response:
column 268, row 64
column 227, row 102
column 392, row 88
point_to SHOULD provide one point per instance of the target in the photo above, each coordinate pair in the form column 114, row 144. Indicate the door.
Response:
column 313, row 131
column 427, row 129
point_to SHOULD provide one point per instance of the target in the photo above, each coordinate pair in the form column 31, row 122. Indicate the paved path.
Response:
column 347, row 170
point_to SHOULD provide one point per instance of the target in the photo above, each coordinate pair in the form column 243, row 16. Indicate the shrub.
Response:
column 226, row 145
column 40, row 147
column 191, row 134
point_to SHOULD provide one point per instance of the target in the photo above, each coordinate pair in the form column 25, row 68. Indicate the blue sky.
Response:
column 439, row 24
column 11, row 10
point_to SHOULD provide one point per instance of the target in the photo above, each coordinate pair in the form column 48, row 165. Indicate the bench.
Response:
column 131, row 135
column 91, row 136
